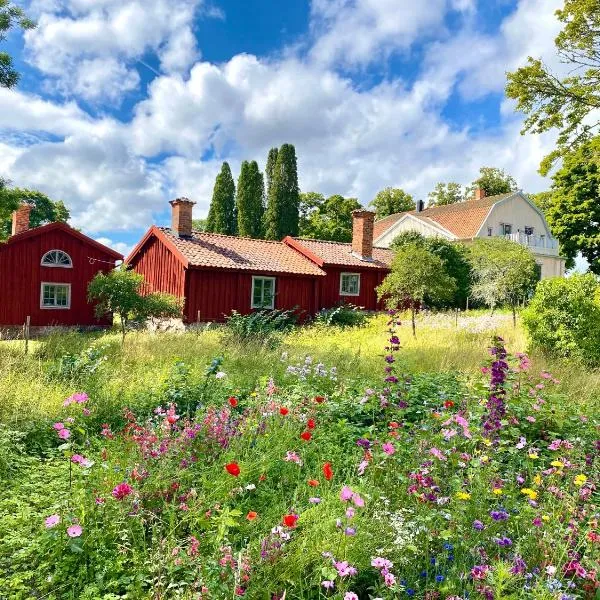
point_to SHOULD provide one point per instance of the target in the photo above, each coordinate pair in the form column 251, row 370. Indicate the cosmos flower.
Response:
column 74, row 531
column 52, row 521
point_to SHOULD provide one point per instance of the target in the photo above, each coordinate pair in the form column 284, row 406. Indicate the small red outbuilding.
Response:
column 44, row 274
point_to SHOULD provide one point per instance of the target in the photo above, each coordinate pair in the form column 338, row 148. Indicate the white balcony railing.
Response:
column 535, row 242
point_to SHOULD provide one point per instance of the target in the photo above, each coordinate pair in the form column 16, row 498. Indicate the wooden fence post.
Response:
column 26, row 333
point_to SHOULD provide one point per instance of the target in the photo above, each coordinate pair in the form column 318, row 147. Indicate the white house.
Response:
column 511, row 215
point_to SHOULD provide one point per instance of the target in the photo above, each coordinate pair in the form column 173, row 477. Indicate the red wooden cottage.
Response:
column 216, row 274
column 45, row 272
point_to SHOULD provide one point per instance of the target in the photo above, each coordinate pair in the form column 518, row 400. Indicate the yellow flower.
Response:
column 558, row 464
column 545, row 518
column 533, row 455
column 532, row 494
column 487, row 441
column 498, row 491
column 485, row 459
column 463, row 495
column 537, row 480
column 253, row 394
column 580, row 480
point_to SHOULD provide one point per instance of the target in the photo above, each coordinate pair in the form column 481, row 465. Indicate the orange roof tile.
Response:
column 462, row 219
column 229, row 252
column 339, row 253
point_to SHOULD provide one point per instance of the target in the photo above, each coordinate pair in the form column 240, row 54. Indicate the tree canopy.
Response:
column 568, row 102
column 250, row 200
column 222, row 214
column 493, row 181
column 11, row 17
column 44, row 209
column 446, row 193
column 327, row 219
column 390, row 201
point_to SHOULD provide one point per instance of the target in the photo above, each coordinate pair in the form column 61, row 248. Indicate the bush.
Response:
column 261, row 326
column 563, row 318
column 345, row 315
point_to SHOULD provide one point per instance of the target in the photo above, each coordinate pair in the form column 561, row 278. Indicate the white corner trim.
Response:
column 426, row 220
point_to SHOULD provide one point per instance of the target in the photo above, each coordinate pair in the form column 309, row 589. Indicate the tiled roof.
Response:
column 462, row 219
column 339, row 253
column 229, row 252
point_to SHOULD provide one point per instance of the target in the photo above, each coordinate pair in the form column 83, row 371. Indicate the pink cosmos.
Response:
column 64, row 434
column 74, row 531
column 78, row 397
column 388, row 448
column 358, row 501
column 51, row 521
column 350, row 596
column 344, row 569
column 389, row 579
column 121, row 491
column 58, row 426
column 438, row 454
column 346, row 494
column 381, row 563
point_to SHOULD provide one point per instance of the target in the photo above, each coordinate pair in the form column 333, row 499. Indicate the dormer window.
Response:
column 57, row 258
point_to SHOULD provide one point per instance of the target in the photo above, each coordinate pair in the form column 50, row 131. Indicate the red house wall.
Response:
column 367, row 298
column 216, row 293
column 21, row 276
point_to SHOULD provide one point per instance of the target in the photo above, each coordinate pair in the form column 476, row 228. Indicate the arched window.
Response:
column 57, row 258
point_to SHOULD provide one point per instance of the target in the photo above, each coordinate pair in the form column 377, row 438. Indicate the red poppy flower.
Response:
column 306, row 435
column 313, row 482
column 394, row 425
column 233, row 401
column 328, row 471
column 448, row 404
column 290, row 520
column 284, row 411
column 262, row 477
column 310, row 423
column 251, row 515
column 233, row 469
column 319, row 399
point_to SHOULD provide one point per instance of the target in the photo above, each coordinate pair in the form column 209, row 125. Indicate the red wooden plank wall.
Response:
column 367, row 298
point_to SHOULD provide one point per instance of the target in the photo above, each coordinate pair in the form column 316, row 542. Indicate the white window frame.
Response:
column 342, row 292
column 55, row 266
column 255, row 278
column 59, row 283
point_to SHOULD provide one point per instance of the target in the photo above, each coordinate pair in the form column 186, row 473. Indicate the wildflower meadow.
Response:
column 340, row 463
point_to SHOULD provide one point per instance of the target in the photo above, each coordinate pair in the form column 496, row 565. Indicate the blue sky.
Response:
column 125, row 104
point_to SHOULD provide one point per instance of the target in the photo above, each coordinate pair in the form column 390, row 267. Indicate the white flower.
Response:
column 221, row 375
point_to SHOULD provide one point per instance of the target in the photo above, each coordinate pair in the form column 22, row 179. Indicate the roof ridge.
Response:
column 231, row 237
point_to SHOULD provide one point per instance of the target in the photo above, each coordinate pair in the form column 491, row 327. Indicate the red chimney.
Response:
column 181, row 216
column 479, row 193
column 362, row 233
column 20, row 219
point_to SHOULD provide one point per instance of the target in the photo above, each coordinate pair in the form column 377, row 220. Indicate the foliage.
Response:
column 43, row 210
column 344, row 315
column 417, row 275
column 455, row 257
column 493, row 181
column 503, row 271
column 11, row 16
column 270, row 170
column 543, row 200
column 566, row 103
column 282, row 214
column 260, row 326
column 446, row 193
column 392, row 200
column 327, row 219
column 221, row 214
column 121, row 291
column 250, row 200
column 199, row 224
column 574, row 213
column 563, row 317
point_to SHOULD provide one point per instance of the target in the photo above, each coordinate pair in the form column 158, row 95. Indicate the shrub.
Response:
column 260, row 326
column 345, row 315
column 563, row 318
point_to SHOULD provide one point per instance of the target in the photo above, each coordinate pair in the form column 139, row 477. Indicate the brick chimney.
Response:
column 181, row 216
column 20, row 219
column 479, row 194
column 362, row 234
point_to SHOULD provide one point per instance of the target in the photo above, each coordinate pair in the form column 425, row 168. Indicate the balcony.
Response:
column 540, row 244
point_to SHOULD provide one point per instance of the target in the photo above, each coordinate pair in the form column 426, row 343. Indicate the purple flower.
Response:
column 346, row 494
column 74, row 531
column 328, row 584
column 349, row 531
column 314, row 500
column 499, row 515
column 478, row 525
column 363, row 443
column 51, row 521
column 503, row 541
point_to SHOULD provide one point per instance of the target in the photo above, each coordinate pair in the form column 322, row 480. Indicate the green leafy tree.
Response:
column 282, row 214
column 270, row 169
column 221, row 214
column 543, row 200
column 563, row 318
column 199, row 224
column 250, row 200
column 493, row 181
column 121, row 292
column 11, row 16
column 567, row 103
column 574, row 213
column 390, row 201
column 417, row 276
column 446, row 193
column 44, row 210
column 328, row 219
column 504, row 272
column 455, row 257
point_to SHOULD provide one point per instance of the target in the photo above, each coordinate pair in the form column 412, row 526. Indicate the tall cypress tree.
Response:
column 282, row 215
column 221, row 215
column 250, row 200
column 270, row 168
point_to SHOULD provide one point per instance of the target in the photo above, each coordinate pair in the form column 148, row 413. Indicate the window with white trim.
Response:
column 506, row 228
column 263, row 292
column 57, row 258
column 55, row 295
column 349, row 284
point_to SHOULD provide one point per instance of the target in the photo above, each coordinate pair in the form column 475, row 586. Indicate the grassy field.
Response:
column 182, row 525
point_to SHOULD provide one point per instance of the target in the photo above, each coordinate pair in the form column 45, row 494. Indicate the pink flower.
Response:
column 51, row 521
column 350, row 596
column 58, row 426
column 64, row 434
column 346, row 494
column 389, row 579
column 362, row 467
column 358, row 501
column 522, row 443
column 530, row 419
column 79, row 398
column 122, row 490
column 388, row 448
column 74, row 531
column 438, row 454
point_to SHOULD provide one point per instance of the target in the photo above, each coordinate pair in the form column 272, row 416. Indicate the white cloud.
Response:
column 121, row 247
